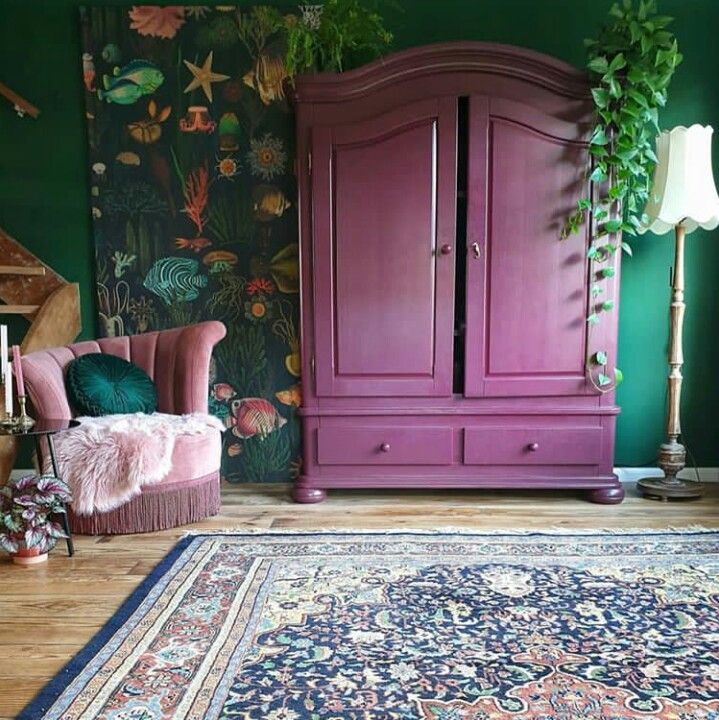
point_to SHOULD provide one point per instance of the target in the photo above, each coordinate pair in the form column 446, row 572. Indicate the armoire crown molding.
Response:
column 479, row 58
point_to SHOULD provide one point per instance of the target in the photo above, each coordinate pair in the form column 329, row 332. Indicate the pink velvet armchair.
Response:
column 178, row 361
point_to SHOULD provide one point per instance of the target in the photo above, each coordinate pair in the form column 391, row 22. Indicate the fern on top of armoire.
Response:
column 443, row 324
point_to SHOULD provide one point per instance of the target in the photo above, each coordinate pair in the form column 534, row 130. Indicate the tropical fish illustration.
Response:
column 122, row 93
column 267, row 76
column 222, row 391
column 270, row 202
column 111, row 53
column 292, row 396
column 196, row 244
column 127, row 85
column 88, row 72
column 128, row 158
column 175, row 279
column 285, row 269
column 254, row 416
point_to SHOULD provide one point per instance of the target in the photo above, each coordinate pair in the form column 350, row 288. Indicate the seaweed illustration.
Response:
column 284, row 328
column 137, row 202
column 182, row 313
column 264, row 458
column 227, row 302
column 256, row 26
column 243, row 356
column 231, row 220
column 112, row 303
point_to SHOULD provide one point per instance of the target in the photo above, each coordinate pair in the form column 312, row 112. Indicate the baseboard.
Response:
column 625, row 474
column 632, row 474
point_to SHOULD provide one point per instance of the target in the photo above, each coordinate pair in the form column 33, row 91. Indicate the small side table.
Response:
column 46, row 428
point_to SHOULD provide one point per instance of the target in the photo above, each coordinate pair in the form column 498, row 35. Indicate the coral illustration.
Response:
column 195, row 193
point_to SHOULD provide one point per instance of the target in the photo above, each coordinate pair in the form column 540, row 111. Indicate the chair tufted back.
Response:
column 178, row 361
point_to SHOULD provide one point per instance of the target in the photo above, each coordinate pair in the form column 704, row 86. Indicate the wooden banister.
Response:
column 21, row 270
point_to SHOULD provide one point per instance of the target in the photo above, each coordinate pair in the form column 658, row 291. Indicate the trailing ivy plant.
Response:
column 630, row 64
column 328, row 33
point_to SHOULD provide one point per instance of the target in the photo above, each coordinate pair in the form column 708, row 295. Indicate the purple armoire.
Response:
column 444, row 329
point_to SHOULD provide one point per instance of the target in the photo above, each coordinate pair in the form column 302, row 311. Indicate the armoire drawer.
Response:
column 384, row 445
column 532, row 446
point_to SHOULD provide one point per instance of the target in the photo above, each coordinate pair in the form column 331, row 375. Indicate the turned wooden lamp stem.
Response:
column 672, row 455
column 684, row 198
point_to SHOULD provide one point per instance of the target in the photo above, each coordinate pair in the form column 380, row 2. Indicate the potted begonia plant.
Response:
column 29, row 508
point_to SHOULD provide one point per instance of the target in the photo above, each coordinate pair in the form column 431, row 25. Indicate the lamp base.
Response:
column 672, row 460
column 664, row 489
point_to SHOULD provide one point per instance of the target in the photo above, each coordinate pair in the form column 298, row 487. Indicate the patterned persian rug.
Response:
column 385, row 626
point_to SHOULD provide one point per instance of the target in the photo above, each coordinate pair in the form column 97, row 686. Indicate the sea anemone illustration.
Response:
column 228, row 167
column 267, row 157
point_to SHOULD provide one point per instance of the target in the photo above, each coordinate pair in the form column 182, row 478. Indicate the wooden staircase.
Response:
column 46, row 300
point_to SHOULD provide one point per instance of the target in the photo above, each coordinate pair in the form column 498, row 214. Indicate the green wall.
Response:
column 44, row 197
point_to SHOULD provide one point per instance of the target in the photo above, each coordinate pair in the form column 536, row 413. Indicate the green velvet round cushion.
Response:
column 99, row 384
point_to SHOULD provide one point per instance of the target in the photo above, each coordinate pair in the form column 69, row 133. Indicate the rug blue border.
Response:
column 45, row 699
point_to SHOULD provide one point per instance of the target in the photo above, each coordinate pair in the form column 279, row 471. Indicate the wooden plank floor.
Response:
column 48, row 613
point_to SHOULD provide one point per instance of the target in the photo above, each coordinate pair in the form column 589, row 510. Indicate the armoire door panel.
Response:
column 383, row 208
column 527, row 295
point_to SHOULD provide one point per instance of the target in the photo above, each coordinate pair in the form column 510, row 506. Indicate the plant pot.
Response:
column 29, row 556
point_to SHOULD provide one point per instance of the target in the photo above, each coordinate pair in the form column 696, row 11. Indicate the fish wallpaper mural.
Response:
column 193, row 197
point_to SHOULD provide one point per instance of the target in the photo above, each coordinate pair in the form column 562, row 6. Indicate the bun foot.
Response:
column 606, row 496
column 308, row 495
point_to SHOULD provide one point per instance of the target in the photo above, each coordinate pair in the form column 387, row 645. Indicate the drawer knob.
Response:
column 533, row 447
column 446, row 249
column 384, row 447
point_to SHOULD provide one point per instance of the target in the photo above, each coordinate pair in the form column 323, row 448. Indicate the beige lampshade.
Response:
column 683, row 192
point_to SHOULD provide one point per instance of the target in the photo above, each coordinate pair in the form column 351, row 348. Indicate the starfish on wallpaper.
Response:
column 203, row 76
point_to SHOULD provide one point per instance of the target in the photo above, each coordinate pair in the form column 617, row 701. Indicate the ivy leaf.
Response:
column 608, row 272
column 599, row 174
column 618, row 376
column 584, row 204
column 608, row 305
column 599, row 136
column 627, row 249
column 596, row 291
column 600, row 357
column 598, row 65
column 603, row 380
column 592, row 252
column 593, row 319
column 612, row 226
column 601, row 97
column 618, row 62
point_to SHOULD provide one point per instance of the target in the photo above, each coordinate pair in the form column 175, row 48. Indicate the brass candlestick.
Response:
column 23, row 420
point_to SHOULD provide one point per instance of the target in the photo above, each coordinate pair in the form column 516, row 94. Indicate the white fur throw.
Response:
column 107, row 460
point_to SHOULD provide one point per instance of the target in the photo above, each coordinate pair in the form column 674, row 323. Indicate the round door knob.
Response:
column 384, row 447
column 446, row 249
column 533, row 447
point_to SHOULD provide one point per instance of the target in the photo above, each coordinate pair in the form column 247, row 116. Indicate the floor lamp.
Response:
column 683, row 198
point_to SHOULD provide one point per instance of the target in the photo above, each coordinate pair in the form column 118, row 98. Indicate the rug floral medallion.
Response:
column 335, row 626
